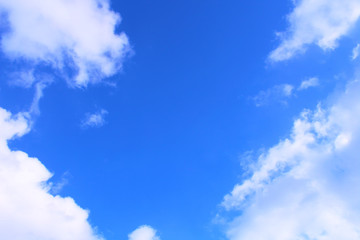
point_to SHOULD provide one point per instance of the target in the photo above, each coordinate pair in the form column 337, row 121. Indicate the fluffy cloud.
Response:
column 144, row 233
column 95, row 119
column 306, row 186
column 78, row 35
column 27, row 209
column 319, row 22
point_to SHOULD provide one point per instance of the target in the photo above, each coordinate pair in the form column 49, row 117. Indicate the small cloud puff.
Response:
column 144, row 233
column 311, row 82
column 95, row 119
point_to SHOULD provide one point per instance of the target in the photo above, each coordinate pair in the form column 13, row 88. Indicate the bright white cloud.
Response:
column 95, row 119
column 144, row 233
column 311, row 82
column 78, row 35
column 319, row 22
column 27, row 210
column 306, row 186
column 278, row 93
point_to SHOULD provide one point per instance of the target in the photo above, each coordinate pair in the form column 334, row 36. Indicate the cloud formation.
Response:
column 27, row 209
column 306, row 186
column 311, row 82
column 144, row 233
column 279, row 93
column 319, row 22
column 78, row 35
column 355, row 52
column 95, row 119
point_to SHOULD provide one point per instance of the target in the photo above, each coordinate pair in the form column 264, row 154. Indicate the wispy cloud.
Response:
column 39, row 90
column 56, row 187
column 278, row 93
column 305, row 187
column 281, row 93
column 78, row 34
column 96, row 119
column 144, row 233
column 355, row 52
column 23, row 78
column 311, row 82
column 320, row 22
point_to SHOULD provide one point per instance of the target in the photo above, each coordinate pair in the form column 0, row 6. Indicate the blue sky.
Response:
column 184, row 120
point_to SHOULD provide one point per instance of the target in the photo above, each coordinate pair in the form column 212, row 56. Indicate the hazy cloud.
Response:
column 278, row 93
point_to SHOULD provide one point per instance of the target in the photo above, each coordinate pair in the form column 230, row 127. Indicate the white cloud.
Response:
column 277, row 93
column 27, row 210
column 78, row 35
column 95, row 119
column 144, row 233
column 311, row 82
column 306, row 186
column 320, row 22
column 355, row 52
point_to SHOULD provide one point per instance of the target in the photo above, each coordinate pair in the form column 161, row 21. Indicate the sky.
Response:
column 155, row 120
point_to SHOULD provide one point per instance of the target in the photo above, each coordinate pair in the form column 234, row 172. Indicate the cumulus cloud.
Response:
column 311, row 82
column 144, row 233
column 79, row 35
column 278, row 93
column 95, row 119
column 306, row 186
column 319, row 22
column 27, row 209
